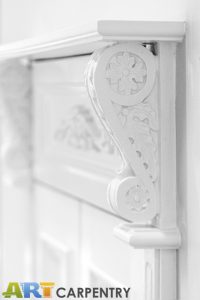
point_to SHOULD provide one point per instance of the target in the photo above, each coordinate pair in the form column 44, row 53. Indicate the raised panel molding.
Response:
column 95, row 277
column 66, row 128
column 55, row 260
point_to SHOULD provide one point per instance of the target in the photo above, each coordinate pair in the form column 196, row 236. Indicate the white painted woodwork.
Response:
column 122, row 84
column 133, row 92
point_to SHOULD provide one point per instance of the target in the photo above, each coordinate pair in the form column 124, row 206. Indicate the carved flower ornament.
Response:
column 137, row 198
column 126, row 73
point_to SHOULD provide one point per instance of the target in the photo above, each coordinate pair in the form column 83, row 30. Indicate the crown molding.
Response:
column 87, row 38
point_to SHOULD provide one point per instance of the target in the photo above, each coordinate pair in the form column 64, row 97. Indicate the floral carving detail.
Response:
column 81, row 131
column 137, row 198
column 141, row 123
column 126, row 73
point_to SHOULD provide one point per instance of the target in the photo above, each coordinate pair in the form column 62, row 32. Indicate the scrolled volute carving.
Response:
column 121, row 81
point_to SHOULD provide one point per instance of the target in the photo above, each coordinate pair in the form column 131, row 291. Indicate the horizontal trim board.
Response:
column 90, row 37
column 49, row 187
column 38, row 60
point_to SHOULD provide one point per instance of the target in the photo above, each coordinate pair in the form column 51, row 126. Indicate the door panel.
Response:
column 57, row 236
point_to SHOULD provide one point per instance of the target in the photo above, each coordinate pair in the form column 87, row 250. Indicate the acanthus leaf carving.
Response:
column 121, row 82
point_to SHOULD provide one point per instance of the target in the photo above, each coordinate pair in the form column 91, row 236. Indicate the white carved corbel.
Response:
column 122, row 83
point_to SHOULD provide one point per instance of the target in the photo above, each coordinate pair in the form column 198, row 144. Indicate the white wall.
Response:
column 26, row 18
column 16, row 19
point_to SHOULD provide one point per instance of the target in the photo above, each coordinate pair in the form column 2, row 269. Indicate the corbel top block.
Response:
column 85, row 39
column 141, row 30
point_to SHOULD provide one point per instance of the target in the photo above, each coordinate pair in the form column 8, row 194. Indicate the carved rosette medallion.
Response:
column 121, row 81
column 137, row 198
column 126, row 73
